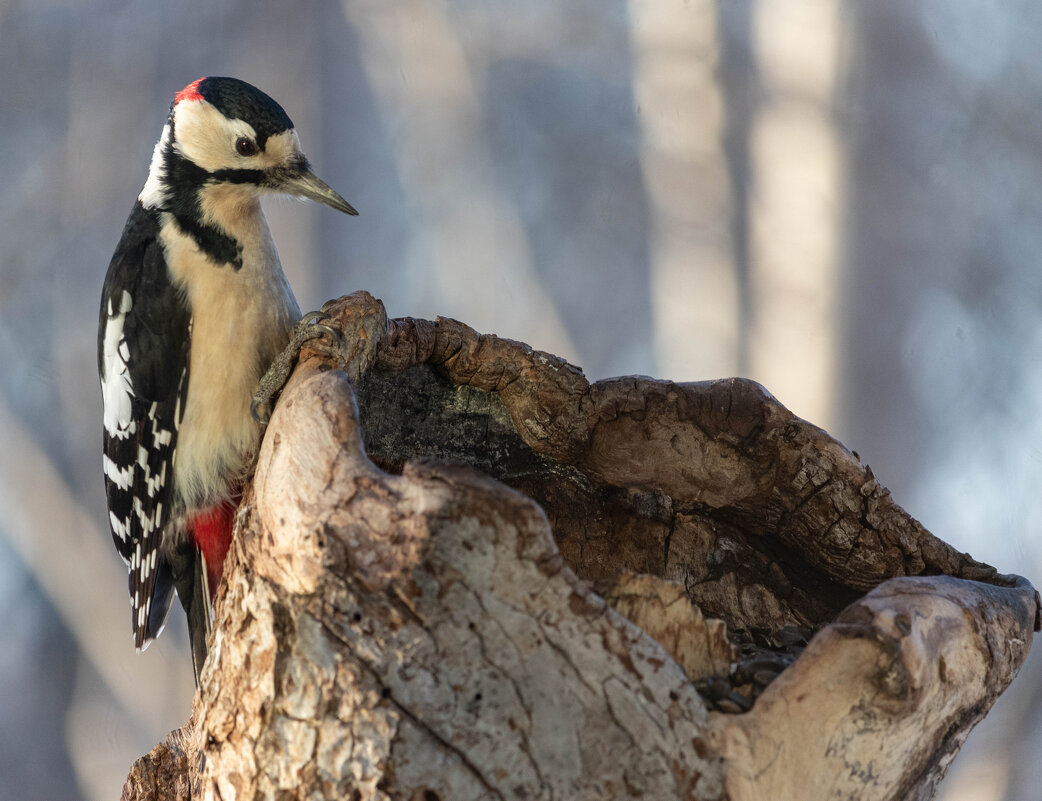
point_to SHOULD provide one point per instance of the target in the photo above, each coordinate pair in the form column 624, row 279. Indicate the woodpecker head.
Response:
column 225, row 144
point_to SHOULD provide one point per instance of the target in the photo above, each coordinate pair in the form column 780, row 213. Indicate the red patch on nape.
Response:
column 212, row 534
column 190, row 92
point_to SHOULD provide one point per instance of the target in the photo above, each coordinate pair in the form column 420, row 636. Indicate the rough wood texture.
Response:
column 394, row 625
column 881, row 700
column 162, row 774
column 664, row 612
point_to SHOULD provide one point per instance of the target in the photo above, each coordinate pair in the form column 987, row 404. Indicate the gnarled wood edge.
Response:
column 362, row 608
column 737, row 445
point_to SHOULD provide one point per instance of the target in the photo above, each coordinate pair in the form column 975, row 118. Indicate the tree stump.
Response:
column 463, row 572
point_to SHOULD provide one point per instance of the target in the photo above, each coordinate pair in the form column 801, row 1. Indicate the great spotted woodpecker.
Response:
column 195, row 307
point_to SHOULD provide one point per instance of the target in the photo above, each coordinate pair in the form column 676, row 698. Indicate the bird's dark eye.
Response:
column 245, row 146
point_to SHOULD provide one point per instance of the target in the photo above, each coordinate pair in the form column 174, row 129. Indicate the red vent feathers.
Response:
column 212, row 534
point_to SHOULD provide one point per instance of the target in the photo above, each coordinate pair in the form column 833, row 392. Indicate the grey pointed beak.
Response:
column 309, row 185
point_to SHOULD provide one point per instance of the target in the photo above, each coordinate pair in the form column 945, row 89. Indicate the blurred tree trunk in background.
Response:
column 856, row 185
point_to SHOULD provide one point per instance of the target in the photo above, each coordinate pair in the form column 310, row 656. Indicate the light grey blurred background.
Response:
column 842, row 200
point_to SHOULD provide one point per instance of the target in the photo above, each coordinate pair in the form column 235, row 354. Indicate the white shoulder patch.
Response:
column 116, row 387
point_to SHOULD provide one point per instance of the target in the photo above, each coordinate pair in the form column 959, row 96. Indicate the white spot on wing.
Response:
column 120, row 528
column 160, row 436
column 122, row 477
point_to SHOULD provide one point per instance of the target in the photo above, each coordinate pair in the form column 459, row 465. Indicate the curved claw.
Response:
column 321, row 328
column 271, row 383
column 316, row 316
column 255, row 404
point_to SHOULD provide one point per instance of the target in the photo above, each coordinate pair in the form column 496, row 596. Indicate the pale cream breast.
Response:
column 241, row 319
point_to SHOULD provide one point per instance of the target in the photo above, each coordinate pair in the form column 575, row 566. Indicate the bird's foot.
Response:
column 311, row 326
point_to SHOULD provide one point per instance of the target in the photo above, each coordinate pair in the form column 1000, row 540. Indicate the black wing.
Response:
column 143, row 341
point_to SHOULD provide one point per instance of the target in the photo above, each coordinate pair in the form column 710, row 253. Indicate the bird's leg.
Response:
column 271, row 383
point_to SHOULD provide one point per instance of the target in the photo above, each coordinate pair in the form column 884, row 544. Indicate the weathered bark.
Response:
column 162, row 774
column 395, row 624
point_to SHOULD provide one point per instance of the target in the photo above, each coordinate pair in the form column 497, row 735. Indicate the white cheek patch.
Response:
column 116, row 387
column 207, row 138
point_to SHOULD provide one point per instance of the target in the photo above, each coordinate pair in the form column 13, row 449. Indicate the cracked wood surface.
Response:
column 412, row 621
column 881, row 700
column 396, row 626
column 765, row 519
